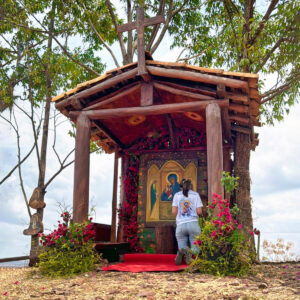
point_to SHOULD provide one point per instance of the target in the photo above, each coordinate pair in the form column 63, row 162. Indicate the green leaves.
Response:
column 230, row 183
column 243, row 36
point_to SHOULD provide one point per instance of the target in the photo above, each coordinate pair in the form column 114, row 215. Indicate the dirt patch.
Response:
column 280, row 281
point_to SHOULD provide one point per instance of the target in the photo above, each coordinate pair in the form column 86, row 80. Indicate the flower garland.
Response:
column 128, row 212
column 187, row 138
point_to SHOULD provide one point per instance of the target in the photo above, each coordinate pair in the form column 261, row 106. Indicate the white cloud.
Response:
column 275, row 173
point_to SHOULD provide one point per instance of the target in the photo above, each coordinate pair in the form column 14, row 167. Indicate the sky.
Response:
column 274, row 169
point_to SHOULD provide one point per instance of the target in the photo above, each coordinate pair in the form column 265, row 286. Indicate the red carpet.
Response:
column 147, row 263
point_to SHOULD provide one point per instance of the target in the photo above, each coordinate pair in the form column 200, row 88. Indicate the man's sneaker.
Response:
column 179, row 256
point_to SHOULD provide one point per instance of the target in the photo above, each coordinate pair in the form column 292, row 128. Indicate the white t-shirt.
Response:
column 187, row 206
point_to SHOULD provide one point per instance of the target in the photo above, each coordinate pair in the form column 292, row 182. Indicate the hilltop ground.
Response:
column 273, row 281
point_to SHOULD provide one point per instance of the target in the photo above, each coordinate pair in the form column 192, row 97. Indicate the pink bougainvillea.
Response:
column 68, row 233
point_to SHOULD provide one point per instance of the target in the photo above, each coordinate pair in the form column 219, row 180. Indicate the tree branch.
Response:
column 268, row 55
column 102, row 40
column 19, row 166
column 62, row 47
column 154, row 32
column 275, row 92
column 231, row 24
column 121, row 42
column 162, row 34
column 194, row 56
column 262, row 23
column 62, row 167
column 130, row 38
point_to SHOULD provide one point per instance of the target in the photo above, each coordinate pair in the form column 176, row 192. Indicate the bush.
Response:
column 68, row 250
column 222, row 246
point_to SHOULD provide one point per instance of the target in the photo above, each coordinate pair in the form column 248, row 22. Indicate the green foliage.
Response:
column 68, row 250
column 230, row 183
column 67, row 260
column 222, row 247
column 246, row 36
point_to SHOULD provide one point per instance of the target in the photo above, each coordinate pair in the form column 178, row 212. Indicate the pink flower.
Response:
column 16, row 282
column 5, row 293
column 214, row 233
column 211, row 207
column 235, row 222
column 240, row 226
column 227, row 211
column 220, row 214
column 197, row 243
column 220, row 206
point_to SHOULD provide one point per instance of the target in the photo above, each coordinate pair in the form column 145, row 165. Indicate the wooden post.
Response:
column 124, row 166
column 114, row 200
column 214, row 150
column 81, row 169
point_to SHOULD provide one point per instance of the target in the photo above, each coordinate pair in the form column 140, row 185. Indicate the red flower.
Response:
column 197, row 242
column 240, row 226
column 256, row 231
column 5, row 293
column 16, row 282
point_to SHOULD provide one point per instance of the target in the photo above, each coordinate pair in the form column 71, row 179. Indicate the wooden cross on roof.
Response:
column 140, row 24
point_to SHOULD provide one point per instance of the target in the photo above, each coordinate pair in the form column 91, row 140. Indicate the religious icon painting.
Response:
column 162, row 185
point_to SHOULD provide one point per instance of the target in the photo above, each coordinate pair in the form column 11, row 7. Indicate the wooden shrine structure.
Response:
column 166, row 121
column 120, row 109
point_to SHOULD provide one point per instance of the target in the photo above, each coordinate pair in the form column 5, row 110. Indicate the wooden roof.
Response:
column 172, row 83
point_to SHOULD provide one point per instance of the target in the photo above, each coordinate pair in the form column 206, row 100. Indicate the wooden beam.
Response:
column 175, row 91
column 214, row 151
column 199, row 77
column 99, row 87
column 76, row 104
column 81, row 169
column 146, row 93
column 171, row 131
column 188, row 88
column 124, row 167
column 8, row 259
column 226, row 124
column 240, row 119
column 147, row 22
column 241, row 129
column 239, row 108
column 237, row 97
column 108, row 133
column 114, row 200
column 149, row 110
column 254, row 94
column 221, row 90
column 113, row 98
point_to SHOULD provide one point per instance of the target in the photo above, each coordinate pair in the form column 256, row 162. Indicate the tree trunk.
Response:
column 241, row 169
column 43, row 154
